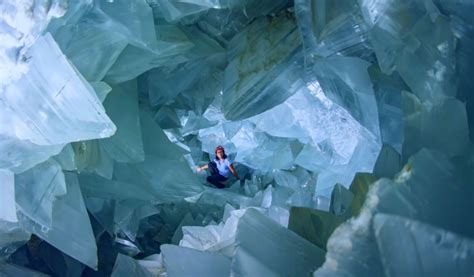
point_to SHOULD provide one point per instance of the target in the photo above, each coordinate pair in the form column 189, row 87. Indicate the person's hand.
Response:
column 199, row 169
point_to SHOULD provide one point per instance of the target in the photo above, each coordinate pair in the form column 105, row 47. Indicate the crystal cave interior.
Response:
column 350, row 123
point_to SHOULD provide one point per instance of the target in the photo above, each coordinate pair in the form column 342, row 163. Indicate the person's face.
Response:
column 220, row 154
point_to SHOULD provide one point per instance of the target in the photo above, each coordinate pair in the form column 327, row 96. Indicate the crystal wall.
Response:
column 349, row 122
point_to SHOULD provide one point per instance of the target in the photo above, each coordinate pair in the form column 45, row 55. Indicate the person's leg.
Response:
column 217, row 180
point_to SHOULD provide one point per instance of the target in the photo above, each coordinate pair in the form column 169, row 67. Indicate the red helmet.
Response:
column 219, row 148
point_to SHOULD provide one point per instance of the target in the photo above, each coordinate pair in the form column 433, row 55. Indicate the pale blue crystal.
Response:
column 122, row 106
column 183, row 261
column 12, row 237
column 94, row 28
column 402, row 36
column 166, row 118
column 127, row 266
column 20, row 155
column 173, row 11
column 224, row 24
column 90, row 156
column 38, row 189
column 128, row 214
column 7, row 192
column 188, row 220
column 256, row 237
column 80, row 115
column 135, row 60
column 266, row 73
column 388, row 163
column 434, row 125
column 424, row 177
column 66, row 158
column 99, row 187
column 102, row 89
column 70, row 231
column 405, row 241
column 103, row 211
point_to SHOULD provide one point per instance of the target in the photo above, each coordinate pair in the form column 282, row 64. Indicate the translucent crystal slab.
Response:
column 346, row 82
column 137, row 59
column 90, row 156
column 188, row 220
column 306, row 117
column 160, row 176
column 94, row 28
column 62, row 107
column 127, row 217
column 317, row 225
column 215, row 237
column 7, row 192
column 183, row 261
column 166, row 118
column 313, row 225
column 388, row 92
column 221, row 197
column 434, row 125
column 224, row 24
column 20, row 155
column 75, row 11
column 198, row 97
column 103, row 211
column 99, row 187
column 102, row 89
column 12, row 237
column 153, row 264
column 136, row 16
column 388, row 163
column 290, row 179
column 155, row 141
column 127, row 266
column 71, row 230
column 173, row 11
column 122, row 106
column 429, row 70
column 418, row 193
column 265, row 248
column 450, row 253
column 66, row 158
column 338, row 27
column 402, row 39
column 126, row 41
column 38, row 189
column 389, row 20
column 275, row 150
column 165, row 83
column 264, row 67
column 21, row 24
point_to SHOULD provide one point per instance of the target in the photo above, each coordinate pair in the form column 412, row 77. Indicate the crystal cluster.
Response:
column 349, row 122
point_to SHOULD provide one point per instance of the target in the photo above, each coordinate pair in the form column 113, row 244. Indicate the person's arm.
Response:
column 201, row 168
column 232, row 169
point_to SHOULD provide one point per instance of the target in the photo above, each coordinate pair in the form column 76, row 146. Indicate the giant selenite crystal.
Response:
column 60, row 106
column 348, row 122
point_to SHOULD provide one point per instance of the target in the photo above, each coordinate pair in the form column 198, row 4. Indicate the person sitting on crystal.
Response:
column 219, row 168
